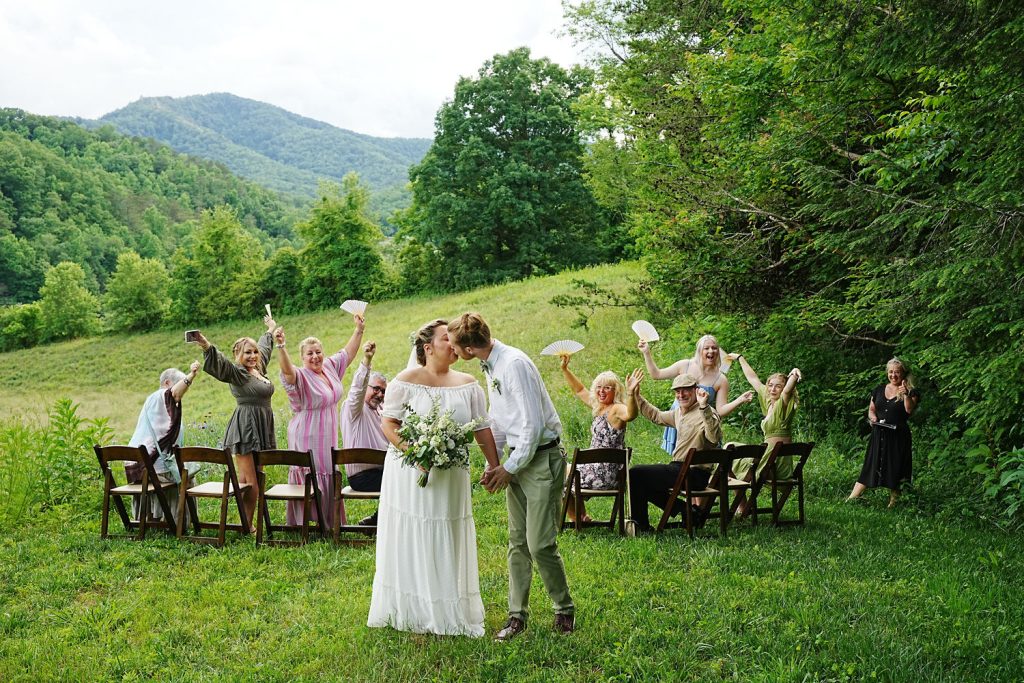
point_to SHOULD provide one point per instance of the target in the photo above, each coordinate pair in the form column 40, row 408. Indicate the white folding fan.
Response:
column 645, row 331
column 562, row 347
column 726, row 363
column 269, row 314
column 354, row 306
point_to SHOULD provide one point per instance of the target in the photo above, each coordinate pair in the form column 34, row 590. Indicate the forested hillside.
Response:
column 70, row 194
column 276, row 148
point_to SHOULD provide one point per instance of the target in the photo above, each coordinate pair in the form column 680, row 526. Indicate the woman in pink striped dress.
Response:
column 314, row 391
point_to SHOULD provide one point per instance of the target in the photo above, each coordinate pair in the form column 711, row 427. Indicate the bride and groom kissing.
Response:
column 427, row 578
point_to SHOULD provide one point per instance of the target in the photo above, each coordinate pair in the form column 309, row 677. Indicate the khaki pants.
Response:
column 533, row 498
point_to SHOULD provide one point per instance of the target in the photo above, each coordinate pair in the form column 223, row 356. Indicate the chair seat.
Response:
column 213, row 489
column 286, row 492
column 349, row 492
column 739, row 483
column 590, row 493
column 137, row 488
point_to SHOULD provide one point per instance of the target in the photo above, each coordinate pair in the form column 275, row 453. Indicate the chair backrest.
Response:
column 357, row 456
column 615, row 456
column 261, row 459
column 216, row 456
column 799, row 450
column 753, row 451
column 109, row 454
column 709, row 456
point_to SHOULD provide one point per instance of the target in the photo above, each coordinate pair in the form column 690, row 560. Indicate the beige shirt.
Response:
column 696, row 428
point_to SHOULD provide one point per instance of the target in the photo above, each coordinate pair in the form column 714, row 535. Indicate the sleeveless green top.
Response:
column 778, row 421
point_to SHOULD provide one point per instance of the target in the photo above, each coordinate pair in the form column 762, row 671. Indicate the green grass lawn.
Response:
column 860, row 593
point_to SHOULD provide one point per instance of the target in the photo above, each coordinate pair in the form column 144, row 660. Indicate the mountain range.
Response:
column 270, row 145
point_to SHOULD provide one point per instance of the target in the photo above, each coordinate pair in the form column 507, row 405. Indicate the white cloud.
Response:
column 381, row 68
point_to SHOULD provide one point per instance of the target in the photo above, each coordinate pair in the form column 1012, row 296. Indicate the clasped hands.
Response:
column 495, row 479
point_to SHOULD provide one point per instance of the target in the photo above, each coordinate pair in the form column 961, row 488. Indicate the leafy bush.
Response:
column 46, row 465
column 20, row 326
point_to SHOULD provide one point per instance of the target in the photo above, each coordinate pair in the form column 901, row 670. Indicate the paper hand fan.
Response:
column 726, row 363
column 562, row 347
column 269, row 314
column 645, row 331
column 354, row 306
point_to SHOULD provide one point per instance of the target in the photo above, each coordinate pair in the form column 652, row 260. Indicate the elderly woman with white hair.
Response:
column 159, row 430
column 314, row 392
column 888, row 460
column 613, row 408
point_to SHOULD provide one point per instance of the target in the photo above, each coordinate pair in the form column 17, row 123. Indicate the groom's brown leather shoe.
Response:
column 565, row 623
column 512, row 628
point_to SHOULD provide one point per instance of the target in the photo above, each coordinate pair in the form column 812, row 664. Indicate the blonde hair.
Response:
column 794, row 396
column 701, row 343
column 308, row 341
column 424, row 336
column 606, row 377
column 470, row 329
column 238, row 348
column 904, row 369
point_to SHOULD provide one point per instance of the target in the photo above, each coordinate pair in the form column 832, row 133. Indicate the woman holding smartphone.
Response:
column 888, row 460
column 251, row 426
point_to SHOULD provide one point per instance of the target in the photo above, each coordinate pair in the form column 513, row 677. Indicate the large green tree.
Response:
column 138, row 293
column 500, row 193
column 218, row 276
column 67, row 309
column 341, row 259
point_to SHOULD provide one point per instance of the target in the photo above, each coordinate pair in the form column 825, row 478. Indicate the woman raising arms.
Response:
column 706, row 366
column 314, row 391
column 613, row 408
column 251, row 426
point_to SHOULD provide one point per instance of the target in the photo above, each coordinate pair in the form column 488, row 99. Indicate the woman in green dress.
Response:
column 778, row 398
column 251, row 426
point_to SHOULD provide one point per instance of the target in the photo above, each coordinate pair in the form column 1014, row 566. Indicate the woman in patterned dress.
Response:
column 251, row 426
column 613, row 408
column 314, row 391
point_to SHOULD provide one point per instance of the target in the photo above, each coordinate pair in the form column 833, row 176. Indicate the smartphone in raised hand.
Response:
column 191, row 336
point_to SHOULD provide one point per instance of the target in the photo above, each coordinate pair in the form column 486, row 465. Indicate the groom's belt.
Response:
column 543, row 446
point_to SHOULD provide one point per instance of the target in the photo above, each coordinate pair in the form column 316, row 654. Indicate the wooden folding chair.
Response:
column 746, row 487
column 308, row 493
column 781, row 488
column 352, row 456
column 150, row 485
column 574, row 489
column 223, row 490
column 717, row 488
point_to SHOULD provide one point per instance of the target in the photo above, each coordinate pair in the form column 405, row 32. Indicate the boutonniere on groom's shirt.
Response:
column 495, row 384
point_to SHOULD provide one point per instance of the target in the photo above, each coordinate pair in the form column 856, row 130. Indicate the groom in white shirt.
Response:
column 522, row 416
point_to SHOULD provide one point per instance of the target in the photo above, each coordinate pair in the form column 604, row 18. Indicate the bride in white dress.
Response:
column 427, row 578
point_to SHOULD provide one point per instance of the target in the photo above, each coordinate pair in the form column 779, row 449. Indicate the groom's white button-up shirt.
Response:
column 522, row 414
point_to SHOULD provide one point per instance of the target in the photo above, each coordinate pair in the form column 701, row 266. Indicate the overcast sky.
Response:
column 381, row 67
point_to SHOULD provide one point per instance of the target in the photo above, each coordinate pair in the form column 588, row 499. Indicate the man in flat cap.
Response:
column 698, row 426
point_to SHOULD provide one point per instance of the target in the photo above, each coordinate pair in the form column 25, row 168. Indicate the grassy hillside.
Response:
column 860, row 593
column 110, row 376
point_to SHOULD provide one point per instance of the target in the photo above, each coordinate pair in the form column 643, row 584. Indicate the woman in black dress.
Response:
column 888, row 460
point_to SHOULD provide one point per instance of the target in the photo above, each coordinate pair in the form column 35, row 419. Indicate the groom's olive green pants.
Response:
column 533, row 499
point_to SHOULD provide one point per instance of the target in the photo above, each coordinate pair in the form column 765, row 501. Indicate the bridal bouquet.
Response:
column 436, row 440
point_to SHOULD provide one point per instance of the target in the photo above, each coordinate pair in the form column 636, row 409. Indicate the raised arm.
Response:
column 182, row 385
column 574, row 383
column 357, row 392
column 629, row 411
column 265, row 343
column 217, row 365
column 787, row 391
column 352, row 347
column 285, row 361
column 748, row 371
column 656, row 372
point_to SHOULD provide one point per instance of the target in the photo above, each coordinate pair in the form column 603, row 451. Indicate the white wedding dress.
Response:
column 427, row 579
